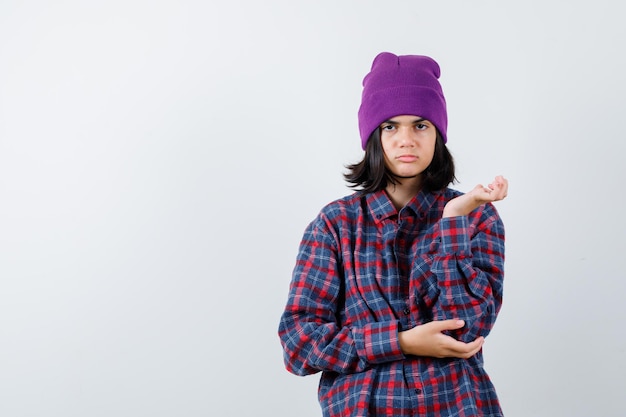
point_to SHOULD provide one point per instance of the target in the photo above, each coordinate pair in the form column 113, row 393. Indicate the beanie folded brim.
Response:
column 385, row 104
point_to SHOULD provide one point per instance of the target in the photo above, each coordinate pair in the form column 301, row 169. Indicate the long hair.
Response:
column 371, row 174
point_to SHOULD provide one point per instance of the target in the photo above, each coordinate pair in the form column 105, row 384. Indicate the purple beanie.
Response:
column 402, row 85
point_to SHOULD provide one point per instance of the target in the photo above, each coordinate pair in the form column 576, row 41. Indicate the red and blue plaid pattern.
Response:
column 364, row 272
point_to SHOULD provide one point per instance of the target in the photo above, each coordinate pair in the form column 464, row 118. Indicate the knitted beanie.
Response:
column 402, row 85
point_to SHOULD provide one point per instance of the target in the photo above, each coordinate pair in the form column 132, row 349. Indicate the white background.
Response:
column 159, row 161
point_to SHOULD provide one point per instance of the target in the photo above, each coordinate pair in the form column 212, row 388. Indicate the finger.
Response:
column 503, row 190
column 505, row 186
column 466, row 350
column 473, row 347
column 500, row 188
column 451, row 324
column 479, row 345
column 499, row 179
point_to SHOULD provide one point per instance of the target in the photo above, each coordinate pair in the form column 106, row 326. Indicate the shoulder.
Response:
column 342, row 210
column 334, row 218
column 348, row 203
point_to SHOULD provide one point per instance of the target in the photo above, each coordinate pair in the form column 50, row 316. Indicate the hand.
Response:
column 466, row 203
column 429, row 340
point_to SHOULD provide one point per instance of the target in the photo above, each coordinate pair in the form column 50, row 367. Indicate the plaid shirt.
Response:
column 364, row 272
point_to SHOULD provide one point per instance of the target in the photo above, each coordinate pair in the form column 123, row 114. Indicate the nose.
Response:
column 405, row 137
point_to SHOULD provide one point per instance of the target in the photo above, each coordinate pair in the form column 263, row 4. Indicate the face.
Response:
column 408, row 144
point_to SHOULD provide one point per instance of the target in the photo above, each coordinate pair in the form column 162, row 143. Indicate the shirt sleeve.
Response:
column 469, row 270
column 310, row 330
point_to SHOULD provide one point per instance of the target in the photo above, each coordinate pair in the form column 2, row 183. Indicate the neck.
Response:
column 402, row 192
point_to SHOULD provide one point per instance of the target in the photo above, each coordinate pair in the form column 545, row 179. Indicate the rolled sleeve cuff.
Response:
column 380, row 342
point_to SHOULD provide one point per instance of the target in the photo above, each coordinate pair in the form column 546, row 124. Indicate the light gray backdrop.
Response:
column 159, row 161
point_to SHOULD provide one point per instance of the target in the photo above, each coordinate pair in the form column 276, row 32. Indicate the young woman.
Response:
column 396, row 286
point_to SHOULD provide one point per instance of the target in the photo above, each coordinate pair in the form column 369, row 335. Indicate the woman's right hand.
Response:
column 429, row 340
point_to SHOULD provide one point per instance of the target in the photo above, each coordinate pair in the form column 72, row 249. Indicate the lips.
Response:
column 407, row 158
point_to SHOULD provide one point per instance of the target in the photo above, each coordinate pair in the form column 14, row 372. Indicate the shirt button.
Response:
column 407, row 311
column 418, row 391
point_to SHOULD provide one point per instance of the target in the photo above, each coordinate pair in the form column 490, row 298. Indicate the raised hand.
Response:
column 466, row 203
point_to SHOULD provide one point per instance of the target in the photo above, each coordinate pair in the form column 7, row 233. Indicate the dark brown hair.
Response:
column 371, row 174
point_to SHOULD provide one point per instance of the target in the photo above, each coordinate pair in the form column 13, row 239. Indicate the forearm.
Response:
column 469, row 273
column 311, row 345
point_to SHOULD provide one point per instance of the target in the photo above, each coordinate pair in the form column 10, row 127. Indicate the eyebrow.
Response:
column 416, row 121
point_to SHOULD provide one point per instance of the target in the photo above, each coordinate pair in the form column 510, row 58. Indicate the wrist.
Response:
column 450, row 212
column 460, row 206
column 454, row 210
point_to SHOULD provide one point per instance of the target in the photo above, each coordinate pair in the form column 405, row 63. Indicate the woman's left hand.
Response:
column 466, row 203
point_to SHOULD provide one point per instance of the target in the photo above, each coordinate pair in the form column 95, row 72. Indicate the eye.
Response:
column 387, row 127
column 421, row 126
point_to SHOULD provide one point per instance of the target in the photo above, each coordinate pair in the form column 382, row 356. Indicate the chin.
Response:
column 408, row 175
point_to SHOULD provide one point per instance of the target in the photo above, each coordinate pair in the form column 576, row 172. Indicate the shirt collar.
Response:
column 381, row 207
